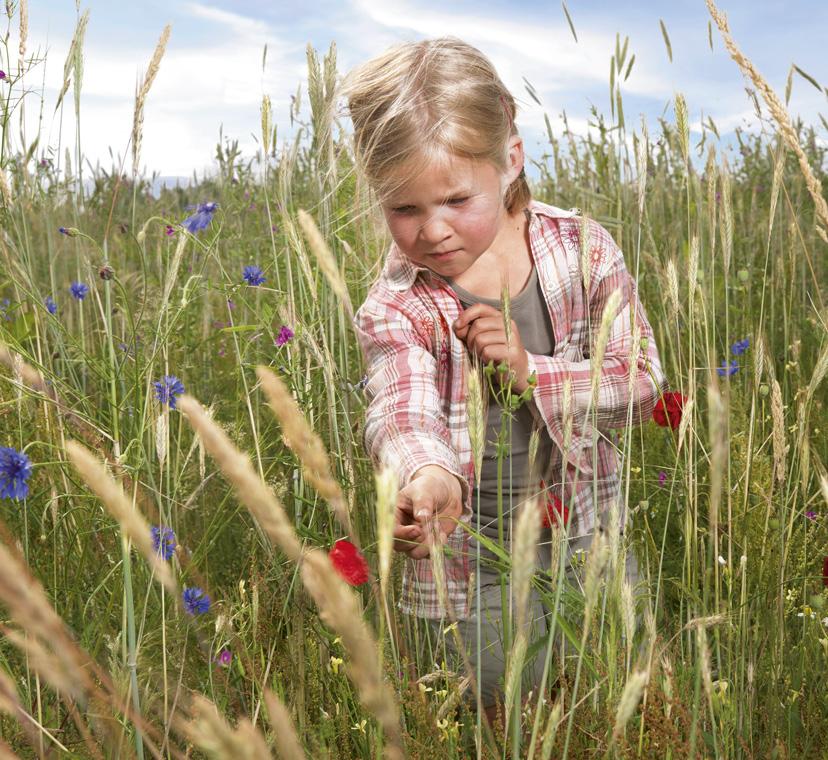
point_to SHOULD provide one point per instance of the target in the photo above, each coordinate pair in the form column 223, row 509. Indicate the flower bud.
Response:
column 106, row 272
column 743, row 275
column 764, row 390
column 644, row 343
column 489, row 369
column 502, row 368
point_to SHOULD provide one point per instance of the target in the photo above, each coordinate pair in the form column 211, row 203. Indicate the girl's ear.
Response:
column 516, row 157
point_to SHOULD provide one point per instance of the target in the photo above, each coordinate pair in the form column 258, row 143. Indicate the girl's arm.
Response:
column 404, row 424
column 614, row 399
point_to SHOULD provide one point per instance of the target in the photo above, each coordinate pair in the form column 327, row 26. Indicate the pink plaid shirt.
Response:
column 416, row 384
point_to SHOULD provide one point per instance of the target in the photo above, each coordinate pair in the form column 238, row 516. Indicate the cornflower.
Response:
column 163, row 541
column 15, row 470
column 196, row 602
column 79, row 290
column 253, row 275
column 202, row 217
column 727, row 370
column 740, row 346
column 167, row 388
column 51, row 306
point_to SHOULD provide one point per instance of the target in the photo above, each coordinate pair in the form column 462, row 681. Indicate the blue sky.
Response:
column 212, row 74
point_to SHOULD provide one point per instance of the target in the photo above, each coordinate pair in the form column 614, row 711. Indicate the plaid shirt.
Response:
column 416, row 383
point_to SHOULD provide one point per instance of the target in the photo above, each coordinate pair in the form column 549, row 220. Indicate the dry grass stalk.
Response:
column 673, row 287
column 252, row 492
column 527, row 533
column 141, row 96
column 112, row 496
column 704, row 661
column 386, row 481
column 779, row 113
column 71, row 59
column 780, row 448
column 727, row 216
column 642, row 154
column 597, row 359
column 287, row 743
column 585, row 241
column 717, row 422
column 627, row 606
column 633, row 689
column 339, row 608
column 5, row 190
column 305, row 443
column 686, row 420
column 23, row 10
column 682, row 126
column 551, row 729
column 476, row 408
column 45, row 663
column 705, row 622
column 326, row 260
column 211, row 733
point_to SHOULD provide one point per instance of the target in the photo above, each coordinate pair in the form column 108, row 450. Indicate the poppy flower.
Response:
column 553, row 512
column 668, row 410
column 349, row 562
column 825, row 571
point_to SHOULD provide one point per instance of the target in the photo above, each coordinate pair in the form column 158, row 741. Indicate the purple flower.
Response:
column 662, row 478
column 225, row 657
column 202, row 217
column 167, row 388
column 811, row 515
column 78, row 290
column 253, row 275
column 169, row 230
column 231, row 304
column 51, row 306
column 2, row 74
column 285, row 334
column 15, row 470
column 727, row 370
column 163, row 541
column 740, row 346
column 196, row 602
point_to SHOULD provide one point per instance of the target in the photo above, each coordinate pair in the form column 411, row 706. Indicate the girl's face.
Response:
column 452, row 213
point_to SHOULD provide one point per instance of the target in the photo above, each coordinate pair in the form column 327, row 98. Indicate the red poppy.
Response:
column 668, row 409
column 349, row 562
column 825, row 571
column 554, row 512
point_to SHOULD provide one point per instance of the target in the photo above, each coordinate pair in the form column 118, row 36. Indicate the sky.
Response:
column 212, row 77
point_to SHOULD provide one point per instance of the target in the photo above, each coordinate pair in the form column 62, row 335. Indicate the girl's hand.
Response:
column 481, row 328
column 428, row 509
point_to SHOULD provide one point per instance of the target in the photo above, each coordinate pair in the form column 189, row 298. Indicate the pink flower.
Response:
column 224, row 658
column 285, row 334
column 662, row 478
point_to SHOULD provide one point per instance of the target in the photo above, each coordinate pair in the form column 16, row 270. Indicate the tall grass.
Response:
column 719, row 651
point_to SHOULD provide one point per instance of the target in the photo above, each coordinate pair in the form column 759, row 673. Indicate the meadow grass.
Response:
column 719, row 651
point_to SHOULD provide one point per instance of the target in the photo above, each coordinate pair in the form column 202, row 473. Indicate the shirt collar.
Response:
column 400, row 272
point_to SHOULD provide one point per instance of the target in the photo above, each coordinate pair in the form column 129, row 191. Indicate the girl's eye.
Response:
column 457, row 201
column 402, row 209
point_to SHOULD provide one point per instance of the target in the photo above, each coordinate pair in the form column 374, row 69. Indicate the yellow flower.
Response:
column 360, row 726
column 335, row 663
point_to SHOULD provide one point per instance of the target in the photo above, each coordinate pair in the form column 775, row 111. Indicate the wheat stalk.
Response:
column 386, row 481
column 325, row 258
column 141, row 96
column 633, row 689
column 210, row 732
column 112, row 496
column 727, row 216
column 780, row 449
column 24, row 29
column 287, row 743
column 597, row 359
column 253, row 493
column 305, row 443
column 779, row 113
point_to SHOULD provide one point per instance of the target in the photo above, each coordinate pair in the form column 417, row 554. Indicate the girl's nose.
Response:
column 435, row 230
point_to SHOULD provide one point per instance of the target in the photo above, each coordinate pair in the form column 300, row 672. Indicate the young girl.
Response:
column 434, row 135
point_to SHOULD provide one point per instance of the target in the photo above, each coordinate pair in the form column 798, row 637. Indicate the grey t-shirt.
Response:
column 531, row 315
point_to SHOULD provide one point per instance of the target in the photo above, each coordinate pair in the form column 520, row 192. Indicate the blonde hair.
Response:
column 419, row 102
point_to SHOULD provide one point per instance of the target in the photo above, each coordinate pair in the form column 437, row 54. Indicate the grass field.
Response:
column 200, row 345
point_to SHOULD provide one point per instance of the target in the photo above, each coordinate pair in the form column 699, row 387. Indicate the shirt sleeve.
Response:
column 405, row 427
column 618, row 393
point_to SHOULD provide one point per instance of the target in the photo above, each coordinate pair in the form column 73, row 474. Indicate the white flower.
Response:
column 722, row 560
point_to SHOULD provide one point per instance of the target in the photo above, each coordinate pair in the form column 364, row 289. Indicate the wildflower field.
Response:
column 195, row 549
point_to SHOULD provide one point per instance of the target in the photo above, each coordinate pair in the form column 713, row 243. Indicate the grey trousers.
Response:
column 443, row 646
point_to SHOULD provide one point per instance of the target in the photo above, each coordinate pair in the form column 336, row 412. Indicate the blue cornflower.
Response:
column 4, row 305
column 51, row 306
column 167, row 388
column 15, row 470
column 740, row 346
column 79, row 290
column 728, row 370
column 202, row 217
column 163, row 541
column 253, row 275
column 196, row 602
